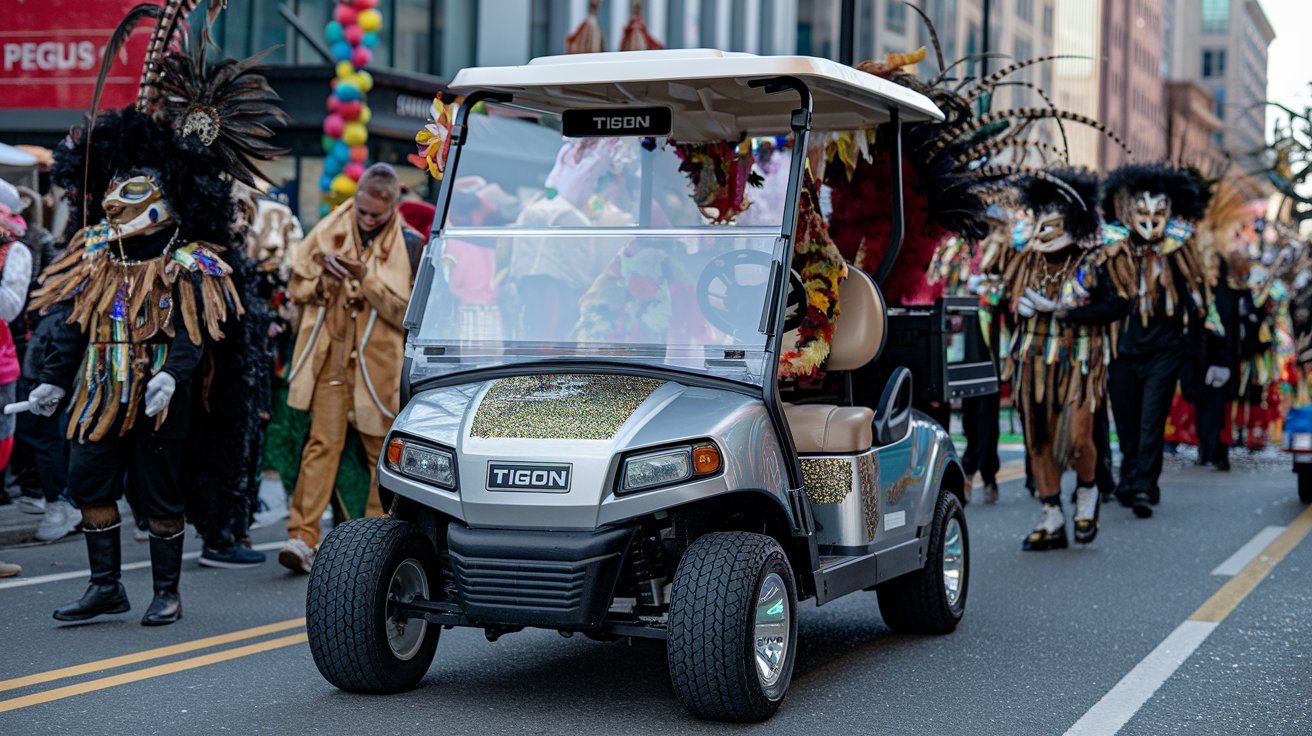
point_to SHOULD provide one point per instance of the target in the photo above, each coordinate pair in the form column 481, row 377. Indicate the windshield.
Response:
column 625, row 249
column 692, row 302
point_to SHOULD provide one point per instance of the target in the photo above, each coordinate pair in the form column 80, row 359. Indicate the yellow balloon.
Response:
column 343, row 186
column 363, row 80
column 354, row 134
column 370, row 20
column 344, row 70
column 366, row 115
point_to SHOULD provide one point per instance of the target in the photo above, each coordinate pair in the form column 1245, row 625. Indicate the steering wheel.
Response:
column 730, row 287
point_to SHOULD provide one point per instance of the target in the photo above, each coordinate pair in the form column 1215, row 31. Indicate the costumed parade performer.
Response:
column 1066, row 297
column 1154, row 207
column 148, row 293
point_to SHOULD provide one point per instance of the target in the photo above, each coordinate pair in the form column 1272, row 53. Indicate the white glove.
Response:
column 1217, row 376
column 45, row 399
column 1025, row 307
column 1040, row 302
column 159, row 391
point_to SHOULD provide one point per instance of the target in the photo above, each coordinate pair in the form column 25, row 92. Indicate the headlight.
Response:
column 422, row 462
column 666, row 467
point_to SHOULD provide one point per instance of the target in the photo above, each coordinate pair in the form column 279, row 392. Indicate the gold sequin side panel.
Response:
column 827, row 479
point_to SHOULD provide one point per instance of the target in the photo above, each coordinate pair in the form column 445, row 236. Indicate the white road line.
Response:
column 23, row 582
column 1119, row 705
column 1247, row 552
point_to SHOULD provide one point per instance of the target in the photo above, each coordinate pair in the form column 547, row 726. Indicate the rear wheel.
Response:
column 932, row 600
column 733, row 627
column 358, row 639
column 1304, row 483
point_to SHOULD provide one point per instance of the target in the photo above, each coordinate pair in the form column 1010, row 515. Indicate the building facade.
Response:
column 1222, row 45
column 1194, row 125
column 1077, row 82
column 1132, row 98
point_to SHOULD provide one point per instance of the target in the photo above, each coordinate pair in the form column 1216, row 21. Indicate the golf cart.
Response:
column 592, row 438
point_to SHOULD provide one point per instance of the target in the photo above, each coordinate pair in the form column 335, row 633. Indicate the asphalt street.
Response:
column 1049, row 641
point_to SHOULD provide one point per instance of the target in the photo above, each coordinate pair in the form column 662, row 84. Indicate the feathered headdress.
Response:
column 1188, row 198
column 947, row 165
column 1072, row 192
column 193, row 122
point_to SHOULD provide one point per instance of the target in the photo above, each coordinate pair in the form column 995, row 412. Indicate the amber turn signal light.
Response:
column 705, row 459
column 394, row 449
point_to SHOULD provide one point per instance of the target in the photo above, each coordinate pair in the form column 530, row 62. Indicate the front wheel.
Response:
column 1304, row 482
column 732, row 627
column 932, row 600
column 359, row 641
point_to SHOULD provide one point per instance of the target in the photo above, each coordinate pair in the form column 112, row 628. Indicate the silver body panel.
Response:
column 751, row 457
column 892, row 493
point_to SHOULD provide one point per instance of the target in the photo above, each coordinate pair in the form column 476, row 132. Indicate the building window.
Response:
column 1047, row 20
column 1216, row 16
column 413, row 25
column 1025, row 9
column 1214, row 63
column 1220, row 103
column 895, row 16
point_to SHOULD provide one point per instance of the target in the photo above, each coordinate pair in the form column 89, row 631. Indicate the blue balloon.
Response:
column 341, row 152
column 334, row 32
column 347, row 92
column 325, row 183
column 331, row 167
column 342, row 51
column 370, row 40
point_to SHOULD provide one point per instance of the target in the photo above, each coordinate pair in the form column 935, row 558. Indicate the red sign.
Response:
column 50, row 52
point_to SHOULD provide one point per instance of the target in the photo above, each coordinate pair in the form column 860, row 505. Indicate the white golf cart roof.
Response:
column 705, row 89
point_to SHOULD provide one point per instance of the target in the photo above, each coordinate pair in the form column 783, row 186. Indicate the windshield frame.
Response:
column 771, row 319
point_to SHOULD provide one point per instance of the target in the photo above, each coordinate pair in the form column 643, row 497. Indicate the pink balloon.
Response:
column 361, row 57
column 350, row 111
column 333, row 125
column 365, row 4
column 344, row 14
column 334, row 104
column 355, row 170
column 354, row 35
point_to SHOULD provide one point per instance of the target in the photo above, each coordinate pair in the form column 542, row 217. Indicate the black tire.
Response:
column 917, row 603
column 346, row 605
column 1305, row 483
column 713, row 608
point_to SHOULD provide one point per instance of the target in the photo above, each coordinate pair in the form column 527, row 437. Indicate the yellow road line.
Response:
column 1238, row 587
column 157, row 671
column 149, row 654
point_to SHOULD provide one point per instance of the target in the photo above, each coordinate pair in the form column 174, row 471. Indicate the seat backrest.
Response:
column 860, row 328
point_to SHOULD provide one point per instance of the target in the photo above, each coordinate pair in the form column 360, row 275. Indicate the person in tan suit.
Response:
column 352, row 277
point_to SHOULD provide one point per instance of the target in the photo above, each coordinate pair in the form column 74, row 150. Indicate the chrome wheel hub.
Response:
column 772, row 629
column 954, row 561
column 405, row 635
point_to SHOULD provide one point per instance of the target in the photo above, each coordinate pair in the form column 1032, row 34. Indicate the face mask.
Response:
column 1050, row 234
column 1146, row 214
column 135, row 205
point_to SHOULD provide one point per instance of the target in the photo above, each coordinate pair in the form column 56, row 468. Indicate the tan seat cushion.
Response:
column 829, row 429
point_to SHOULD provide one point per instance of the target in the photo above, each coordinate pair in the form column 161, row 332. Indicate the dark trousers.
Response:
column 152, row 466
column 39, row 444
column 1102, row 439
column 979, row 419
column 1141, row 389
column 1210, row 412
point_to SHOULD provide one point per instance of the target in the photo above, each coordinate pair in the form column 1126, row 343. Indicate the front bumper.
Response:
column 549, row 579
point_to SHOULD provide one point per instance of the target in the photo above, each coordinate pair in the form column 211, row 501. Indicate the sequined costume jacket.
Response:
column 1063, row 360
column 133, row 313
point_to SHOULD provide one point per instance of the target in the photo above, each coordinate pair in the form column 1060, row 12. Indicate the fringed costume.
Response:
column 1155, row 209
column 154, row 332
column 1067, row 295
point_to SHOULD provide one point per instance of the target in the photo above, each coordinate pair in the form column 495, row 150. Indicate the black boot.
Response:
column 105, row 594
column 165, row 568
